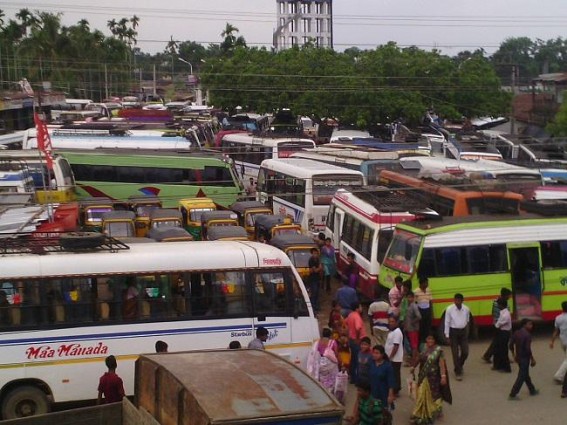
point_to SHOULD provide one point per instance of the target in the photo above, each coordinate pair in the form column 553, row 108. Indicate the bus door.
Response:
column 527, row 280
column 338, row 220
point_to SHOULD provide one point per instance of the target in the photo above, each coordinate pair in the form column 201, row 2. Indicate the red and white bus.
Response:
column 363, row 223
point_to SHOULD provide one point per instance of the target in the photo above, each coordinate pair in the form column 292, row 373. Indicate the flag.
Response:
column 43, row 140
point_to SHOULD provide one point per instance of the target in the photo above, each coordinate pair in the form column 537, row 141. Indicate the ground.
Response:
column 482, row 396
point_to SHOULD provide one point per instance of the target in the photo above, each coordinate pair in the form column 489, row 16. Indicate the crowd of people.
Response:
column 400, row 331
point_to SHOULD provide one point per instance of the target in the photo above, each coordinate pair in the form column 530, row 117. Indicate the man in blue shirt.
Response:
column 346, row 296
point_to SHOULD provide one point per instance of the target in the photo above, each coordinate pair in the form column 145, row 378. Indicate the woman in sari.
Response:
column 328, row 260
column 322, row 363
column 432, row 384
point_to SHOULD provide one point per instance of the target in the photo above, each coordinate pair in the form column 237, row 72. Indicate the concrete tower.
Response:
column 304, row 21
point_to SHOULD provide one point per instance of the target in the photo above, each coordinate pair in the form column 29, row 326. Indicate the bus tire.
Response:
column 81, row 240
column 25, row 401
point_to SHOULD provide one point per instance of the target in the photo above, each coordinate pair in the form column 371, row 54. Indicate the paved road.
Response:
column 482, row 396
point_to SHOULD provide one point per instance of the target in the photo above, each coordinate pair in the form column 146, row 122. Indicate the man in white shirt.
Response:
column 395, row 350
column 561, row 332
column 457, row 319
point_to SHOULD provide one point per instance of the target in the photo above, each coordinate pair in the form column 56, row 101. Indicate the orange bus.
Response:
column 455, row 197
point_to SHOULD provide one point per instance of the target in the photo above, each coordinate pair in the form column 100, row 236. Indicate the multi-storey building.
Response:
column 302, row 22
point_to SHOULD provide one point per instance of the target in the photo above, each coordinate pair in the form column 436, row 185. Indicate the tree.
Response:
column 558, row 127
column 231, row 41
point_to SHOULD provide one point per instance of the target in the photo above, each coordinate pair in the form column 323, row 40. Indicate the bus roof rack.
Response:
column 44, row 243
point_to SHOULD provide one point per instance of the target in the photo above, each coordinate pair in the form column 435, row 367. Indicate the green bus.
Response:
column 479, row 255
column 120, row 174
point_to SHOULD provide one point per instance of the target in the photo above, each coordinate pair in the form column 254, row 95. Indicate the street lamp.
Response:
column 188, row 63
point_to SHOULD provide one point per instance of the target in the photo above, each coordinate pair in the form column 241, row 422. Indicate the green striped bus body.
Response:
column 119, row 174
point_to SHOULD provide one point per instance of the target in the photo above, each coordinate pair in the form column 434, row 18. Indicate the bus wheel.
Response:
column 24, row 401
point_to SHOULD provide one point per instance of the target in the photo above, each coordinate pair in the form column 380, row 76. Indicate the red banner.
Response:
column 43, row 140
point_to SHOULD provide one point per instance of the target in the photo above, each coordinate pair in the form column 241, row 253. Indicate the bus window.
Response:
column 403, row 252
column 230, row 287
column 384, row 239
column 269, row 293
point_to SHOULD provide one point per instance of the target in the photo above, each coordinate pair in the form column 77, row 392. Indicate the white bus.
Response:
column 55, row 186
column 362, row 223
column 303, row 189
column 62, row 138
column 72, row 309
column 248, row 151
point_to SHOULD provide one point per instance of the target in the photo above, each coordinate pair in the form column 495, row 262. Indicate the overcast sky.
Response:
column 449, row 25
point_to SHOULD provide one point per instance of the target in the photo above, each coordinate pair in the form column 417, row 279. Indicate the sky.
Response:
column 451, row 26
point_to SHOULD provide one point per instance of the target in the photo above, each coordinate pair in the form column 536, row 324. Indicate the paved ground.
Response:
column 482, row 397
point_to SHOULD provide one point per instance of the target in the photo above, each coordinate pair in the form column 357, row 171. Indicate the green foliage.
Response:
column 558, row 127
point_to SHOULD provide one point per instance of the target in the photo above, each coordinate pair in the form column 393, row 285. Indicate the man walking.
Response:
column 457, row 319
column 395, row 296
column 395, row 350
column 346, row 297
column 505, row 295
column 561, row 332
column 356, row 331
column 378, row 313
column 521, row 348
column 261, row 337
column 423, row 299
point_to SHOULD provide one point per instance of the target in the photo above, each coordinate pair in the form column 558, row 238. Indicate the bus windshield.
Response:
column 325, row 187
column 403, row 251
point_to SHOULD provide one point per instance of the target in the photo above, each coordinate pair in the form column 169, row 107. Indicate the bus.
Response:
column 368, row 163
column 457, row 196
column 120, row 173
column 497, row 174
column 51, row 186
column 69, row 315
column 362, row 223
column 302, row 189
column 479, row 255
column 248, row 151
column 65, row 138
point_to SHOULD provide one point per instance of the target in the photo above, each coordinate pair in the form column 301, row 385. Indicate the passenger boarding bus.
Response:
column 362, row 223
column 119, row 174
column 73, row 309
column 368, row 163
column 479, row 255
column 51, row 186
column 248, row 151
column 302, row 189
column 455, row 197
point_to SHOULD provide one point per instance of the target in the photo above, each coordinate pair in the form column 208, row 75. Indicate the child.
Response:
column 364, row 361
column 110, row 384
column 336, row 321
column 343, row 353
column 367, row 410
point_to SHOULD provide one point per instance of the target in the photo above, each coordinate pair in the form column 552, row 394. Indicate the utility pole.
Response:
column 513, row 117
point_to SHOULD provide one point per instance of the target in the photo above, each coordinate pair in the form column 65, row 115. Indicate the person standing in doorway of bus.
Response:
column 561, row 332
column 315, row 271
column 505, row 295
column 423, row 300
column 329, row 262
column 110, row 385
column 457, row 319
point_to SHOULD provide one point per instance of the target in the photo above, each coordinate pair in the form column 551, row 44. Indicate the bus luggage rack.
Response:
column 44, row 243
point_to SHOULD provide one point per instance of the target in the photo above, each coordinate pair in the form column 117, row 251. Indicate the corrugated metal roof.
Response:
column 238, row 384
column 21, row 219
